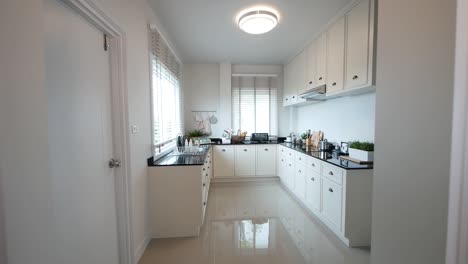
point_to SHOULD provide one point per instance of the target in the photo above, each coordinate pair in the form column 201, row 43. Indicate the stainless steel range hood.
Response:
column 315, row 94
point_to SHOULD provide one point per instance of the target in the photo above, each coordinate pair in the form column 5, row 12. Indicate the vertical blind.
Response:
column 166, row 94
column 254, row 104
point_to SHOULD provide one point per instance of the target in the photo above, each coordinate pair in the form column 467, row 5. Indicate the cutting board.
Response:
column 355, row 160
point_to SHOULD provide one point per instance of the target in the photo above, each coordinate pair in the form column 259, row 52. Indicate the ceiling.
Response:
column 205, row 31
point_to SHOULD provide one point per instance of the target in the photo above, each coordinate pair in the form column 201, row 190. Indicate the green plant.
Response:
column 304, row 135
column 365, row 146
column 196, row 133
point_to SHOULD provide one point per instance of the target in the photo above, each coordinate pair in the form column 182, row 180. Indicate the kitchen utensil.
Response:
column 323, row 144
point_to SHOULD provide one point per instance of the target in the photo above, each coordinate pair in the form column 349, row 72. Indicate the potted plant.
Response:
column 194, row 134
column 361, row 150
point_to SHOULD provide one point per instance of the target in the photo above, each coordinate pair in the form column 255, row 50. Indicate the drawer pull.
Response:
column 313, row 164
column 299, row 171
column 313, row 179
column 245, row 149
column 331, row 173
column 289, row 165
column 204, row 203
column 320, row 78
column 266, row 149
column 282, row 159
column 333, row 84
column 206, row 175
column 355, row 77
column 204, row 185
column 203, row 169
column 310, row 82
column 300, row 158
column 223, row 150
column 330, row 189
column 290, row 154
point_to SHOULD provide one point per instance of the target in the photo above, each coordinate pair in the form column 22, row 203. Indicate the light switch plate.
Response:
column 135, row 129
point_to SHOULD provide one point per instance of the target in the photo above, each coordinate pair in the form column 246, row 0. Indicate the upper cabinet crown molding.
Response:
column 342, row 57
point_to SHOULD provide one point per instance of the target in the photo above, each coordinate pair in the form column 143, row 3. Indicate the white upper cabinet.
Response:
column 358, row 50
column 295, row 79
column 311, row 66
column 321, row 60
column 336, row 56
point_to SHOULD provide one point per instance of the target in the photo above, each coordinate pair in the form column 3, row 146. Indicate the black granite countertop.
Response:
column 177, row 159
column 248, row 142
column 328, row 157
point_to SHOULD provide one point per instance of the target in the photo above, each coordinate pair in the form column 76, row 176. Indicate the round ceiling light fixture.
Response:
column 258, row 20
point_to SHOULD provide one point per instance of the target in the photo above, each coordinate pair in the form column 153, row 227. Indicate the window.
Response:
column 254, row 104
column 166, row 95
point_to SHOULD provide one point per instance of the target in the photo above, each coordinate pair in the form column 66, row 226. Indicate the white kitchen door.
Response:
column 77, row 78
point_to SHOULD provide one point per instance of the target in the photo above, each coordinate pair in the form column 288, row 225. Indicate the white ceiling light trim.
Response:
column 258, row 20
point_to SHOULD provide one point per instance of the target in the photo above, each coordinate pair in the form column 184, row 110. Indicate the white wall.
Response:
column 415, row 58
column 342, row 119
column 23, row 106
column 203, row 86
column 201, row 93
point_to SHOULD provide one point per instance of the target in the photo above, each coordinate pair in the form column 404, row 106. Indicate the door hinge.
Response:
column 106, row 42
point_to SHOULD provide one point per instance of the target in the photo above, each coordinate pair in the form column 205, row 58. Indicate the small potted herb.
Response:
column 361, row 150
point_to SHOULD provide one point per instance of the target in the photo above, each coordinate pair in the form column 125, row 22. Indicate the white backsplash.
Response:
column 342, row 119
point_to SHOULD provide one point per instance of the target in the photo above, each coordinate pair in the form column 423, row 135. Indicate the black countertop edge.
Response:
column 344, row 164
column 171, row 160
column 247, row 142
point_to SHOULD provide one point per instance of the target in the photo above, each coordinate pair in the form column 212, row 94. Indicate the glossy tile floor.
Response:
column 255, row 223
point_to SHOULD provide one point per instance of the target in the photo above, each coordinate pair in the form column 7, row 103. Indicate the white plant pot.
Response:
column 361, row 154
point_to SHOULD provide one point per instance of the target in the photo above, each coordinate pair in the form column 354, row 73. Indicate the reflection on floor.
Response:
column 255, row 223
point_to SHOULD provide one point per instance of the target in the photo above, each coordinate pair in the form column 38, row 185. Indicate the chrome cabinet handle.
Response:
column 355, row 77
column 203, row 169
column 289, row 165
column 206, row 175
column 313, row 164
column 204, row 203
column 331, row 173
column 310, row 82
column 320, row 78
column 204, row 185
column 245, row 150
column 333, row 84
column 330, row 189
column 300, row 158
column 266, row 149
column 223, row 150
column 313, row 179
column 300, row 171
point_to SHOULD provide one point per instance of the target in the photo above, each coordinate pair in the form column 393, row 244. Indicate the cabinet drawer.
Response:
column 245, row 161
column 265, row 155
column 301, row 158
column 333, row 173
column 314, row 165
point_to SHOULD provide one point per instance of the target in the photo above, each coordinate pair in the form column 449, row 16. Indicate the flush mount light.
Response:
column 257, row 20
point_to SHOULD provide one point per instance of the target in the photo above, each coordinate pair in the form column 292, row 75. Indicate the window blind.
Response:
column 254, row 104
column 166, row 93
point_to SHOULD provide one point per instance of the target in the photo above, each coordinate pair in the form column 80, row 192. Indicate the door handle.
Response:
column 114, row 163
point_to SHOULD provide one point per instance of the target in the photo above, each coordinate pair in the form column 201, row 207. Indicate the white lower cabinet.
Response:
column 313, row 191
column 340, row 198
column 231, row 161
column 266, row 154
column 300, row 181
column 245, row 161
column 332, row 202
column 223, row 160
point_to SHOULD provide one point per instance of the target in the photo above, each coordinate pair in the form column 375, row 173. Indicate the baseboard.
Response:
column 140, row 250
column 244, row 179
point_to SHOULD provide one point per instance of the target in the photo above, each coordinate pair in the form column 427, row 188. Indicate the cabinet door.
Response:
column 288, row 82
column 266, row 154
column 311, row 65
column 223, row 161
column 300, row 73
column 321, row 58
column 245, row 161
column 289, row 174
column 332, row 202
column 300, row 181
column 357, row 52
column 336, row 56
column 313, row 190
